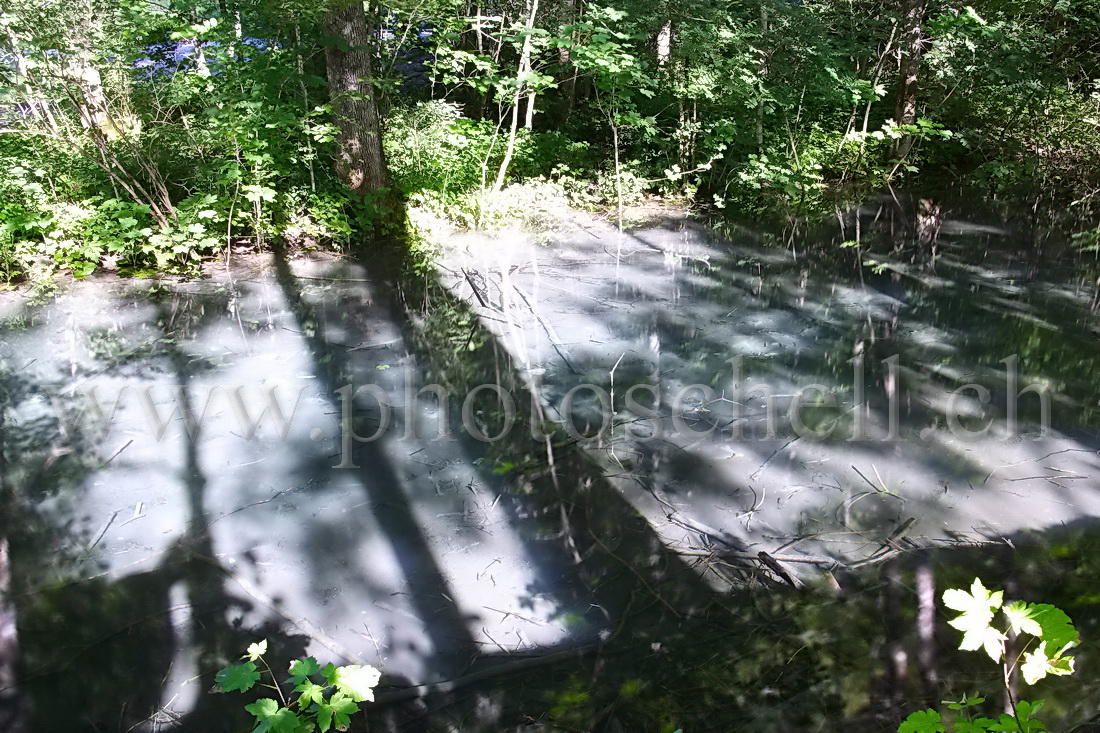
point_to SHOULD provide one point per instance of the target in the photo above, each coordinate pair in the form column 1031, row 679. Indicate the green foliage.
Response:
column 208, row 138
column 327, row 697
column 1045, row 624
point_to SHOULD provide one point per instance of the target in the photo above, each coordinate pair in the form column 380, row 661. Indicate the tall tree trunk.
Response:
column 524, row 66
column 529, row 120
column 567, row 78
column 762, row 70
column 360, row 160
column 567, row 86
column 663, row 43
column 912, row 48
column 926, row 629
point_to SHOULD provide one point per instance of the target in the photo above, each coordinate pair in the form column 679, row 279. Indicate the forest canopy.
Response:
column 143, row 135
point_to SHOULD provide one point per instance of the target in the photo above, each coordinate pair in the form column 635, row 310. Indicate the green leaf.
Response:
column 263, row 708
column 1057, row 629
column 338, row 710
column 324, row 717
column 966, row 702
column 286, row 721
column 1039, row 663
column 922, row 721
column 300, row 669
column 311, row 693
column 240, row 677
column 271, row 717
column 1027, row 710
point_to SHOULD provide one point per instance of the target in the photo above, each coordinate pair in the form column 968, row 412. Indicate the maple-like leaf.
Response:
column 356, row 681
column 922, row 721
column 977, row 608
column 338, row 710
column 1057, row 628
column 1021, row 618
column 239, row 677
column 301, row 669
column 257, row 650
column 1038, row 664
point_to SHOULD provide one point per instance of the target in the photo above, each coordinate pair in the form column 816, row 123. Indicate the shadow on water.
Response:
column 858, row 648
column 670, row 618
column 97, row 650
column 451, row 644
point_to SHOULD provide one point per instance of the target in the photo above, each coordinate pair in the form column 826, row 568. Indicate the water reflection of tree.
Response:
column 856, row 649
column 98, row 649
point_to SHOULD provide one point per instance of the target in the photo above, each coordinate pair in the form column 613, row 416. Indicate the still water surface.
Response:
column 740, row 470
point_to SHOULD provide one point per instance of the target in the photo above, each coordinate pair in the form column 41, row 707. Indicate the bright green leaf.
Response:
column 1037, row 665
column 263, row 708
column 303, row 668
column 240, row 677
column 311, row 693
column 1057, row 629
column 922, row 721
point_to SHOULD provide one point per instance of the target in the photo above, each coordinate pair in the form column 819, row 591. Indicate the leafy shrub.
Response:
column 319, row 706
column 1052, row 635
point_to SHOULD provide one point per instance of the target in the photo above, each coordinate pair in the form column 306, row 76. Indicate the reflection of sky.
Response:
column 304, row 540
column 669, row 307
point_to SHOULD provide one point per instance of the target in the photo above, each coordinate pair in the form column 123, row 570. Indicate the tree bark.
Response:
column 762, row 70
column 360, row 160
column 524, row 67
column 912, row 48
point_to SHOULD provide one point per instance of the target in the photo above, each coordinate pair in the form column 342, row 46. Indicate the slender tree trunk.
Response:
column 663, row 43
column 360, row 160
column 762, row 71
column 897, row 658
column 300, row 67
column 567, row 81
column 529, row 121
column 524, row 65
column 926, row 629
column 567, row 87
column 912, row 48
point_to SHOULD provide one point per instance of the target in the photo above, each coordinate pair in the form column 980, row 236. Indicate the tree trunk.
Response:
column 567, row 78
column 762, row 70
column 912, row 47
column 663, row 43
column 524, row 66
column 360, row 160
column 567, row 87
column 529, row 120
column 926, row 629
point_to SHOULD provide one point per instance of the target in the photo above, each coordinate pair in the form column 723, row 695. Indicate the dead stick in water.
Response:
column 418, row 691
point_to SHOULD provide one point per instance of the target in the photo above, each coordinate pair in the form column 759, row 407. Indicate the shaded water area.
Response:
column 729, row 476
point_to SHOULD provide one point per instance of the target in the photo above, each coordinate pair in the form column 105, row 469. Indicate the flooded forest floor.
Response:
column 575, row 479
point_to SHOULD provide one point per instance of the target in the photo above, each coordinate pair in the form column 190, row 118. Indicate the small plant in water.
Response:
column 1051, row 635
column 327, row 696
